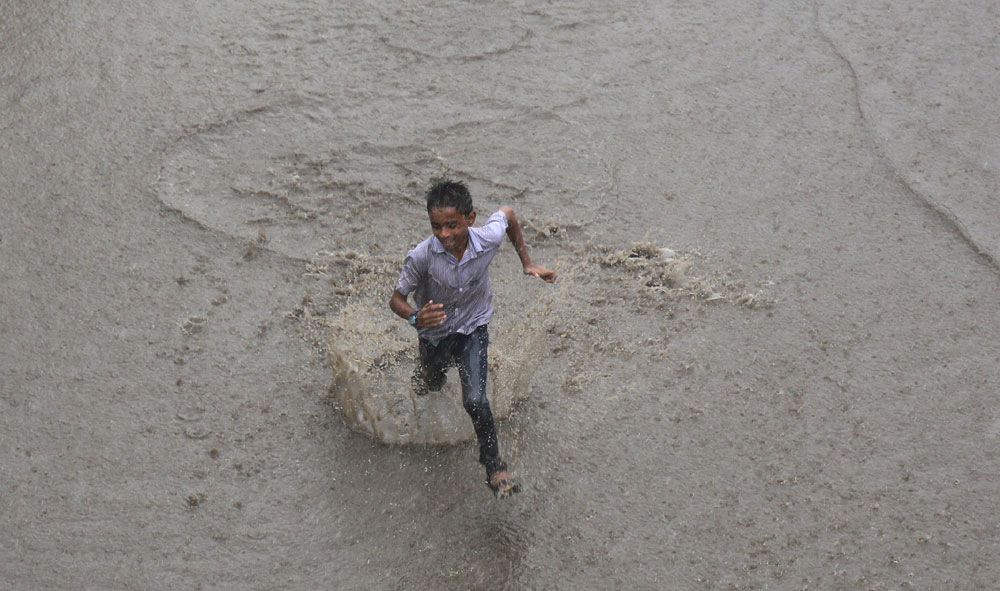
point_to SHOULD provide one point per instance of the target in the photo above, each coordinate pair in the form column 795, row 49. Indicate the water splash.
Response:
column 372, row 358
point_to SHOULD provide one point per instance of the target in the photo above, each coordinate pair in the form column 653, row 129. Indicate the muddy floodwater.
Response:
column 770, row 361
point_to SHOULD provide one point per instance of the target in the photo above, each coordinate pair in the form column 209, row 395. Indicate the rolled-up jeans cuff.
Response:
column 495, row 465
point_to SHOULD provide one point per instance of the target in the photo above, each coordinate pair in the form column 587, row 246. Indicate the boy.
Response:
column 448, row 276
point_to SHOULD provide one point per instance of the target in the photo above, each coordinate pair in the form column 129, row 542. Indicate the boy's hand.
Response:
column 540, row 272
column 431, row 315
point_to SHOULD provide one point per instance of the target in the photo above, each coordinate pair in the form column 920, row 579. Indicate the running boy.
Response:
column 448, row 276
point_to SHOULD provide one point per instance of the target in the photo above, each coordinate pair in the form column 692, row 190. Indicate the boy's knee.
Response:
column 476, row 403
column 434, row 377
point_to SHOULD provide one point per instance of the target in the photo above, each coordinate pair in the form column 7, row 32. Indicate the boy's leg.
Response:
column 472, row 363
column 431, row 367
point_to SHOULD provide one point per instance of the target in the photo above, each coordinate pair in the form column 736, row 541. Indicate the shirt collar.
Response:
column 472, row 249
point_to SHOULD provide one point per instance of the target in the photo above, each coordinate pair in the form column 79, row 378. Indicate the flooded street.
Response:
column 770, row 360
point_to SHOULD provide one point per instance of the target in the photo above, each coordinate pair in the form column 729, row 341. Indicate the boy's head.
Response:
column 449, row 207
column 448, row 193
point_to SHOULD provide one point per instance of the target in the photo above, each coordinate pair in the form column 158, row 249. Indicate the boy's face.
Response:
column 450, row 227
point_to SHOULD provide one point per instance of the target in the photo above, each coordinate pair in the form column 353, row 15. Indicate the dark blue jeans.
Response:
column 468, row 352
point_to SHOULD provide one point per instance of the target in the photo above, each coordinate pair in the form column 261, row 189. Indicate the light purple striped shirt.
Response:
column 433, row 273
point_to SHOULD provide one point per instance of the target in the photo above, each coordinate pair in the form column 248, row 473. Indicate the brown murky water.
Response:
column 802, row 397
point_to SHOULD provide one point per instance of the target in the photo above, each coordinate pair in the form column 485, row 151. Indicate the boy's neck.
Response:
column 459, row 251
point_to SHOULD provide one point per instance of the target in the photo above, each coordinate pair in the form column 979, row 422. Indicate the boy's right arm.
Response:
column 429, row 316
column 399, row 305
column 409, row 278
column 414, row 271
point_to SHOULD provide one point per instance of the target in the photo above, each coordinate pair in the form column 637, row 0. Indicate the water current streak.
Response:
column 940, row 210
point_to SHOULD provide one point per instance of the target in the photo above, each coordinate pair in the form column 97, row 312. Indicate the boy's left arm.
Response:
column 517, row 239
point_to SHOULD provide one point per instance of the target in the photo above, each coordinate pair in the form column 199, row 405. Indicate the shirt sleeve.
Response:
column 494, row 229
column 414, row 270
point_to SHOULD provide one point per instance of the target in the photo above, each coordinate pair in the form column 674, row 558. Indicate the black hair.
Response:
column 449, row 193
